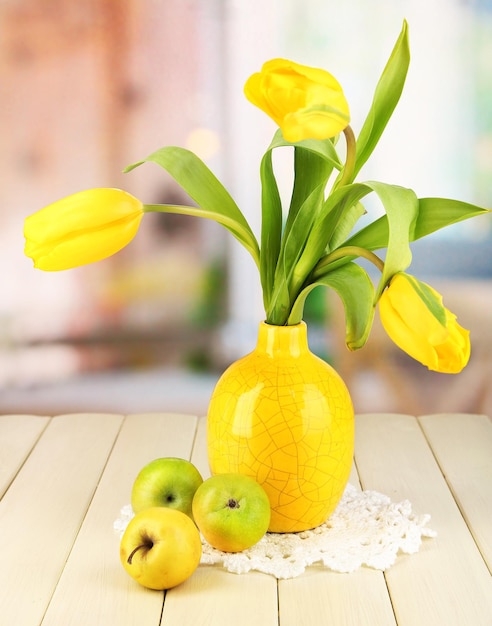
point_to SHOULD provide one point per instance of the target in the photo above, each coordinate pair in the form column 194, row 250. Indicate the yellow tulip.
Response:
column 415, row 319
column 305, row 102
column 83, row 228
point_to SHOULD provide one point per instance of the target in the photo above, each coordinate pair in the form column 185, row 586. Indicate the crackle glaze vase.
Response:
column 285, row 417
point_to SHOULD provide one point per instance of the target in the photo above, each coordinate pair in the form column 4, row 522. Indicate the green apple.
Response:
column 160, row 548
column 232, row 511
column 169, row 482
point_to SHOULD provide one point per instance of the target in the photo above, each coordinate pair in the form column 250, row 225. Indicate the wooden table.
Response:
column 64, row 479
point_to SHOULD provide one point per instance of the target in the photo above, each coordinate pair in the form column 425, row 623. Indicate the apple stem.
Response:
column 132, row 554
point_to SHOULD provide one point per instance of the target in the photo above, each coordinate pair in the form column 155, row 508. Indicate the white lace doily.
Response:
column 367, row 528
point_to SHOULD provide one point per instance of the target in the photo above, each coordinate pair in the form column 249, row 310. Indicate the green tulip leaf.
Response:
column 316, row 161
column 386, row 97
column 271, row 227
column 315, row 173
column 213, row 200
column 437, row 213
column 355, row 289
column 325, row 148
column 345, row 225
column 292, row 248
column 401, row 206
column 433, row 214
column 295, row 239
column 332, row 213
column 374, row 236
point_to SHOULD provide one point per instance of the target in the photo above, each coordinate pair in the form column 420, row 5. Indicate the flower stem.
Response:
column 347, row 251
column 347, row 173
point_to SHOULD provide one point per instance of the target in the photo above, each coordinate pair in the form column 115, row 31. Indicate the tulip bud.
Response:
column 306, row 102
column 414, row 317
column 83, row 228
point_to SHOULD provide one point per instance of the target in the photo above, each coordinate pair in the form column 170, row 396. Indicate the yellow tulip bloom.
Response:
column 305, row 102
column 408, row 311
column 83, row 228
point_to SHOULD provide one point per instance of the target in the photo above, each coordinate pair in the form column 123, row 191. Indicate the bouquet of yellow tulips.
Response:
column 313, row 241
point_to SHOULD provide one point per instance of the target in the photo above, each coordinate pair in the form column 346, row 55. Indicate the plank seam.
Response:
column 24, row 461
column 453, row 493
column 84, row 517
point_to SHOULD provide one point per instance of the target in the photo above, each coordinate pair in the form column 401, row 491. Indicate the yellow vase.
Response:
column 284, row 417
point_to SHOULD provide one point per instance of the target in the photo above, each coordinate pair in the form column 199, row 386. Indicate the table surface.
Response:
column 64, row 479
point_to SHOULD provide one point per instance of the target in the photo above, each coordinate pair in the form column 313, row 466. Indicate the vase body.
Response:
column 284, row 417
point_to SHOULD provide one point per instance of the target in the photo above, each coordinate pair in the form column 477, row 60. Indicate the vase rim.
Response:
column 274, row 339
column 299, row 325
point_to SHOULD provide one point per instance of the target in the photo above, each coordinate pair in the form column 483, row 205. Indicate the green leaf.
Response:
column 333, row 210
column 279, row 306
column 374, row 236
column 311, row 171
column 295, row 239
column 292, row 247
column 437, row 213
column 271, row 227
column 356, row 291
column 324, row 148
column 345, row 225
column 433, row 214
column 315, row 160
column 214, row 201
column 401, row 206
column 386, row 97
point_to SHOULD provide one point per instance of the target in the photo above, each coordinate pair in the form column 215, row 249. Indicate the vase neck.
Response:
column 282, row 340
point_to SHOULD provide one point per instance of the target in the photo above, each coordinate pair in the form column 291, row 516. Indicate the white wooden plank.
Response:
column 42, row 511
column 462, row 445
column 18, row 434
column 94, row 588
column 199, row 455
column 447, row 581
column 323, row 597
column 215, row 597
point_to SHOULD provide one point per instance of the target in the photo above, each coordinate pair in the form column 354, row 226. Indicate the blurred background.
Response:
column 88, row 88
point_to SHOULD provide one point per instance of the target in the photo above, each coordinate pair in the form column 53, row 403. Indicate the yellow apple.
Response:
column 232, row 511
column 169, row 482
column 160, row 548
